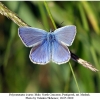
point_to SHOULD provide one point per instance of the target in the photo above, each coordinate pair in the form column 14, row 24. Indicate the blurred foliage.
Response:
column 19, row 74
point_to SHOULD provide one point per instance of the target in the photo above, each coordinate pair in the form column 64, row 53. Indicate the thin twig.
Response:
column 8, row 13
column 83, row 62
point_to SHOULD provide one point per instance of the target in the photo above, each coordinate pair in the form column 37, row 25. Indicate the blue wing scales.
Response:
column 40, row 54
column 66, row 34
column 60, row 53
column 31, row 36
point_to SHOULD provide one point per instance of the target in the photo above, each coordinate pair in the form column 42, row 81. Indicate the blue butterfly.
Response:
column 48, row 46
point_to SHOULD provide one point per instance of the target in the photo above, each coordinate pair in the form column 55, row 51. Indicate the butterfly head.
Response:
column 51, row 30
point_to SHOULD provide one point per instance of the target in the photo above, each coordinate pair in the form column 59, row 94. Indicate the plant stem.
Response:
column 8, row 13
column 74, row 77
column 50, row 15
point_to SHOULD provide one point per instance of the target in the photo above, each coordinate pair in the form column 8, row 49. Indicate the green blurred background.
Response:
column 19, row 74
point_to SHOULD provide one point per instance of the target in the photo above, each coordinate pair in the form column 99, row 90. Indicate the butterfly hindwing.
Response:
column 40, row 54
column 31, row 36
column 66, row 34
column 60, row 53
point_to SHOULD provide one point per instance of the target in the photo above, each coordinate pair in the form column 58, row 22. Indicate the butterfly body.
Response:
column 48, row 46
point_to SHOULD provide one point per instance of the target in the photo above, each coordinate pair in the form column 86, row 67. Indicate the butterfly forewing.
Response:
column 32, row 36
column 66, row 34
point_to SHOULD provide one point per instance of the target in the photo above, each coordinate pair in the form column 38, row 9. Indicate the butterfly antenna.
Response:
column 60, row 24
column 83, row 62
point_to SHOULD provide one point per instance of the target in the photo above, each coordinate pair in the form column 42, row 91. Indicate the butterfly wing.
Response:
column 31, row 36
column 66, row 34
column 40, row 54
column 60, row 53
